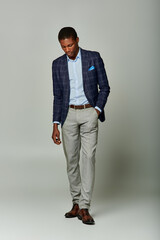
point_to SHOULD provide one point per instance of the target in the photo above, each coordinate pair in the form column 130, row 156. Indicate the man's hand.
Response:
column 56, row 134
column 98, row 112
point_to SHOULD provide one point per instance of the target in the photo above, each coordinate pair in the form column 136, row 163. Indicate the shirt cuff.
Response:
column 56, row 122
column 98, row 108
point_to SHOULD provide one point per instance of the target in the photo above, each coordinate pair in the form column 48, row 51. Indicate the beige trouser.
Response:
column 80, row 131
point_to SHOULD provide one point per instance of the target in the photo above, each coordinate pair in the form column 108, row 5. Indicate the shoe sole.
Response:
column 89, row 223
column 70, row 216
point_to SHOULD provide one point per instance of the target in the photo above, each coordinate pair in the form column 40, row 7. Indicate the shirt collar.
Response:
column 78, row 56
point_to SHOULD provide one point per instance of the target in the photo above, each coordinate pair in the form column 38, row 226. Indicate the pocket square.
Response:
column 91, row 68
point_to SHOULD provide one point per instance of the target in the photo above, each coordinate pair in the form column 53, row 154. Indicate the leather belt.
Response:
column 80, row 106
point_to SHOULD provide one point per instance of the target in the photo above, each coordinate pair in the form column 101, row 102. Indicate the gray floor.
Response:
column 34, row 197
column 41, row 218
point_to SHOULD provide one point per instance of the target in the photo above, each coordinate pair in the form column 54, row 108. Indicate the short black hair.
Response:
column 67, row 32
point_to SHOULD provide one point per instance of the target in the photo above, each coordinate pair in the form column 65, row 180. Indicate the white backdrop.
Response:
column 127, row 35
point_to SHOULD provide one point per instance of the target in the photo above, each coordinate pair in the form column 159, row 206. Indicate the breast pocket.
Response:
column 92, row 74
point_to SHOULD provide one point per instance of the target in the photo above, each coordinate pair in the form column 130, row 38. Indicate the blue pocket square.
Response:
column 91, row 68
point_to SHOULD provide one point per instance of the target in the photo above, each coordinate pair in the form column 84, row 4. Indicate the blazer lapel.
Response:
column 65, row 75
column 64, row 68
column 85, row 65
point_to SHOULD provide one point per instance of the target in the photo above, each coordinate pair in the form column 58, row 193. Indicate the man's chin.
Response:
column 69, row 54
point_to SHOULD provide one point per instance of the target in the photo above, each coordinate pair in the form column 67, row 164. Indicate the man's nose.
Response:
column 67, row 49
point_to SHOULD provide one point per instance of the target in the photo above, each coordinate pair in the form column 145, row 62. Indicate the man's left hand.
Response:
column 98, row 112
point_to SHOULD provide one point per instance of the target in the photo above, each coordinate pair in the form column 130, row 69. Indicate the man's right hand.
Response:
column 56, row 134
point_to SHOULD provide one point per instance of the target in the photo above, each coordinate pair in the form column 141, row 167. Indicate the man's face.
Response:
column 70, row 47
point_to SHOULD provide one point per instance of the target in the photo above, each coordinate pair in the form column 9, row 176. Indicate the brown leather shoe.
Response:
column 86, row 218
column 73, row 213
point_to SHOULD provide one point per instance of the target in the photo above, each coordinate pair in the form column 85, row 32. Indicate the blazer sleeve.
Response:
column 104, row 88
column 57, row 96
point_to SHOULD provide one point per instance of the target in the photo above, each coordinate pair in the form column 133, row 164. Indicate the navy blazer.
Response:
column 95, row 83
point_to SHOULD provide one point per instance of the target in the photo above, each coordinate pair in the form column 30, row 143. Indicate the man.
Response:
column 80, row 88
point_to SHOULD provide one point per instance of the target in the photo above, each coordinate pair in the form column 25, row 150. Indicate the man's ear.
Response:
column 77, row 39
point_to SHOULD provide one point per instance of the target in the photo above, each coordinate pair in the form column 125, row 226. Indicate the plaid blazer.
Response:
column 95, row 83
